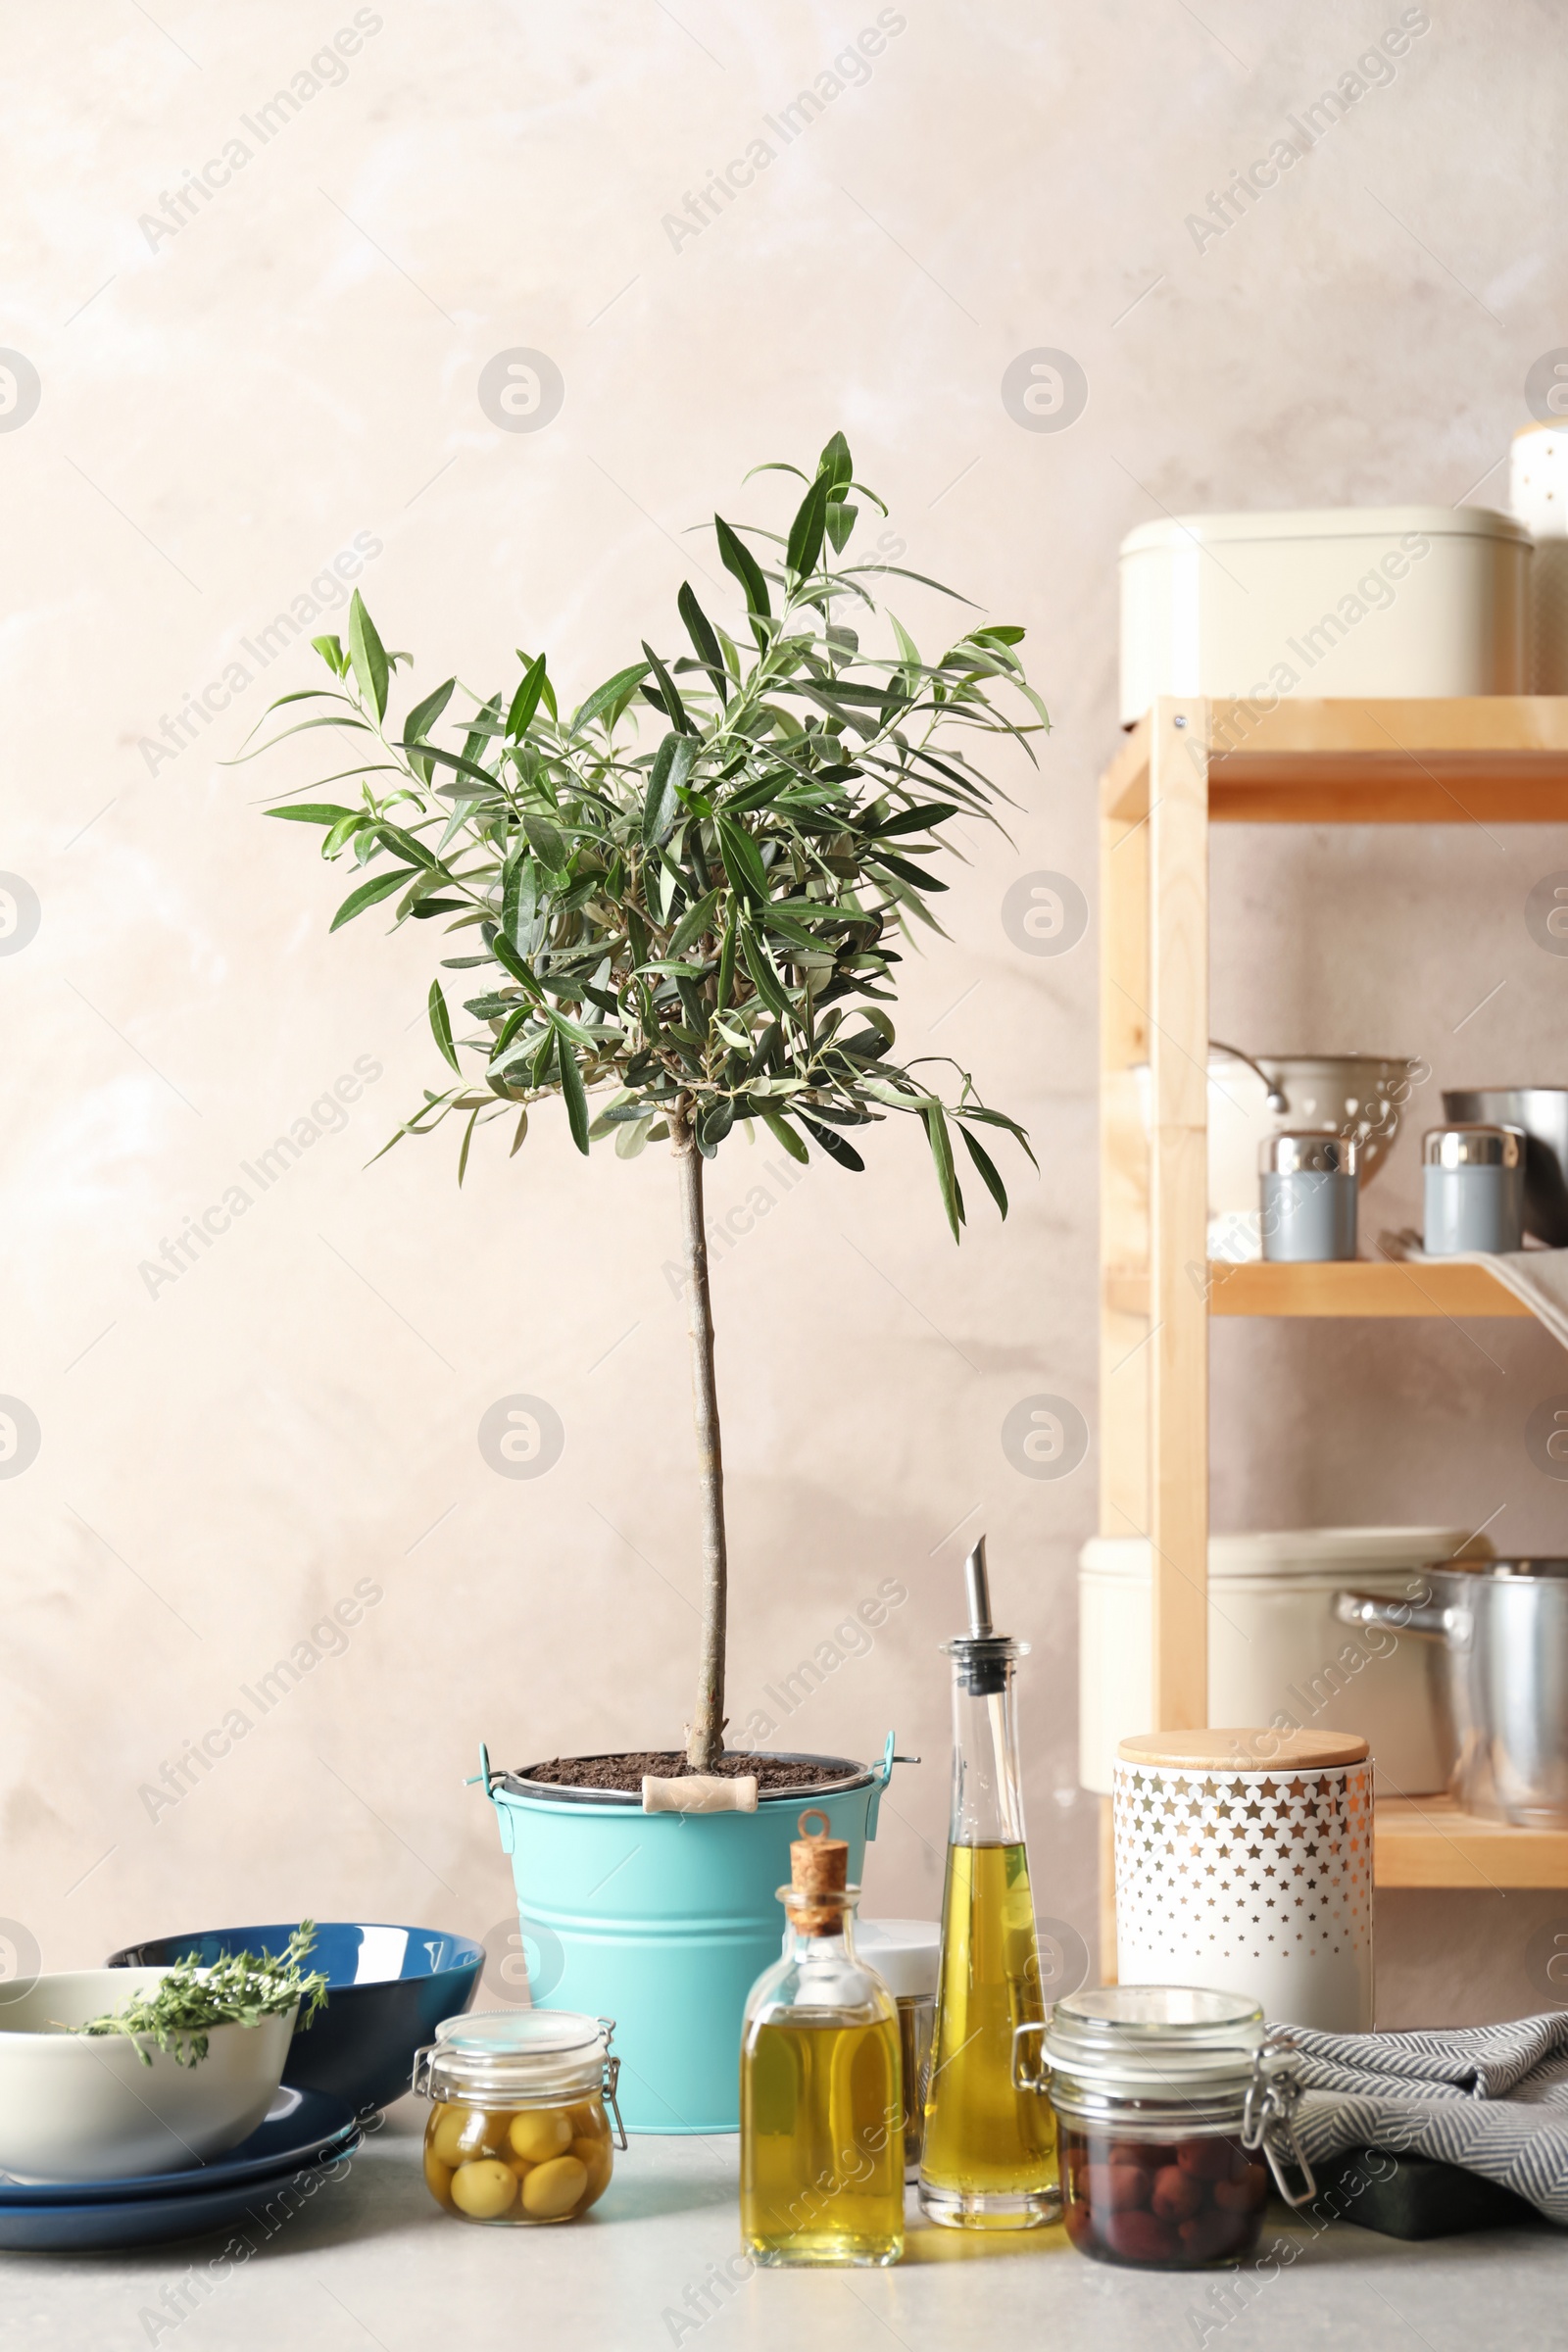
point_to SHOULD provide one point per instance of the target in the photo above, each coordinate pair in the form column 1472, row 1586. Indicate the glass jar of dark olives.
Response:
column 1175, row 2107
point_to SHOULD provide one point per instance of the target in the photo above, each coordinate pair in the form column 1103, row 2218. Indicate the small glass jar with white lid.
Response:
column 517, row 2130
column 1174, row 2105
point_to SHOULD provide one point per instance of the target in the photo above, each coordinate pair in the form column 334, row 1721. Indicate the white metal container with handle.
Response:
column 1276, row 1647
column 1334, row 600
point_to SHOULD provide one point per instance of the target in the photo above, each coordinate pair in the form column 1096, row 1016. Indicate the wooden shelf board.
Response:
column 1464, row 759
column 1428, row 1841
column 1378, row 1287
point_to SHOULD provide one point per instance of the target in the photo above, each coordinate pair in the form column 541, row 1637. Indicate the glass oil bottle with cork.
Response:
column 821, row 2083
column 990, row 2155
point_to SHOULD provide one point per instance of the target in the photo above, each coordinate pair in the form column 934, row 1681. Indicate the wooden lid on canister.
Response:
column 1256, row 1750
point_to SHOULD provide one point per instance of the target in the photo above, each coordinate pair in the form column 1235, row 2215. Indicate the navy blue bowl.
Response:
column 388, row 1988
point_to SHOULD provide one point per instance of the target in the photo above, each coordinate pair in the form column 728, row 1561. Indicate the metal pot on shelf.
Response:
column 1542, row 1112
column 1502, row 1684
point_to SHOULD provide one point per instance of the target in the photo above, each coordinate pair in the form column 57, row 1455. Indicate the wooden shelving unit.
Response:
column 1189, row 763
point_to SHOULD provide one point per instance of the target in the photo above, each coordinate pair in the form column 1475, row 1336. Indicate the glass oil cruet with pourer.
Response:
column 821, row 2083
column 990, row 2154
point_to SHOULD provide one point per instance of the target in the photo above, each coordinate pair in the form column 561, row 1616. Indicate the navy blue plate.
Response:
column 153, row 2220
column 388, row 1988
column 305, row 2127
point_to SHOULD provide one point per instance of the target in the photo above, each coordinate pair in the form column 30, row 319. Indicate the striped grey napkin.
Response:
column 1492, row 2099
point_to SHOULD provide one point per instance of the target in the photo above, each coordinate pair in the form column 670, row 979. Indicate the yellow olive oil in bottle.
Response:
column 990, row 2155
column 821, row 2084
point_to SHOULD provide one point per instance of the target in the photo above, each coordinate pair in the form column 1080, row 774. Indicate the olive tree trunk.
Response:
column 705, row 1734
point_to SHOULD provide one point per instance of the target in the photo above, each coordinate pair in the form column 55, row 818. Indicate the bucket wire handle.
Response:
column 485, row 1777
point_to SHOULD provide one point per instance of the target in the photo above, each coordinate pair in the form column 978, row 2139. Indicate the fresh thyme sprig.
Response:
column 238, row 1991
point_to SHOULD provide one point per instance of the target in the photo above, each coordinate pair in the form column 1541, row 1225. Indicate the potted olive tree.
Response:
column 679, row 907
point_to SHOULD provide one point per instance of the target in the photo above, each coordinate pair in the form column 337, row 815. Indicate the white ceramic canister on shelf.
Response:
column 1538, row 497
column 1243, row 1864
column 1275, row 1646
column 1336, row 601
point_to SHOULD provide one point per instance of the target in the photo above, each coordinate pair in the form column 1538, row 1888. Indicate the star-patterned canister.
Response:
column 1244, row 1863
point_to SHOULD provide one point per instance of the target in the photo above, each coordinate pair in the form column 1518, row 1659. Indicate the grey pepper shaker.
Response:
column 1472, row 1180
column 1310, row 1183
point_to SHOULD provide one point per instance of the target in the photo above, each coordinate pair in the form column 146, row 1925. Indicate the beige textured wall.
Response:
column 225, row 409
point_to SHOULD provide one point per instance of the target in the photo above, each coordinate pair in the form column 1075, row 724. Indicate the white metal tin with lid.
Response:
column 1375, row 601
column 903, row 1952
column 1244, row 1865
column 1275, row 1646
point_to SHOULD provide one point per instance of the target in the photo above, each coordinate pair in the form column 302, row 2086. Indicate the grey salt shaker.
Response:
column 1472, row 1180
column 1309, row 1195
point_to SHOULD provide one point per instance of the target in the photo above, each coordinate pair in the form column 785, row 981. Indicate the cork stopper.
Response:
column 818, row 1868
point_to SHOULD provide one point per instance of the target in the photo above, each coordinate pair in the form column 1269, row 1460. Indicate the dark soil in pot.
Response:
column 624, row 1773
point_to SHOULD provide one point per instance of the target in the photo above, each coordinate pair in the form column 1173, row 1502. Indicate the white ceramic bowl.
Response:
column 83, row 2107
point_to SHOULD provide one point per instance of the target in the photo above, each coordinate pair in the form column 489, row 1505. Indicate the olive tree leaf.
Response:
column 700, row 629
column 669, row 776
column 784, row 1134
column 467, row 1137
column 806, row 531
column 573, row 1090
column 743, row 861
column 674, row 708
column 833, row 1145
column 987, row 1167
column 368, row 656
column 936, row 1129
column 313, row 812
column 546, row 841
column 738, row 561
column 526, row 701
column 441, row 1023
column 608, row 701
column 422, row 717
column 380, row 887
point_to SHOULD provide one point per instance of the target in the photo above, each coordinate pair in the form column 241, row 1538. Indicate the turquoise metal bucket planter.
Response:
column 664, row 1921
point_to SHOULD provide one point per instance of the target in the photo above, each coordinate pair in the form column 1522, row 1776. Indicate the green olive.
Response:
column 553, row 2189
column 459, row 2133
column 484, row 2188
column 539, row 2133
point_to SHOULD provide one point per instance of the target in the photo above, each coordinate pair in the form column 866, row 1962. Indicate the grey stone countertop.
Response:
column 370, row 2260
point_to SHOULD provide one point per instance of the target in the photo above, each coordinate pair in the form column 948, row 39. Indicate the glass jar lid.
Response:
column 1155, row 2042
column 514, row 2056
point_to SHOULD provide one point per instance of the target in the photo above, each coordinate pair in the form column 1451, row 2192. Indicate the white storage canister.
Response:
column 1243, row 1864
column 1331, row 600
column 1538, row 494
column 1275, row 1646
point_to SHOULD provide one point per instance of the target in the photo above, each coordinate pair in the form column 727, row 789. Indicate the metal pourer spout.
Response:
column 979, row 1590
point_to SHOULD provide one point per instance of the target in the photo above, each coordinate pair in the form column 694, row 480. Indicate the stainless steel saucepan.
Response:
column 1503, row 1688
column 1542, row 1112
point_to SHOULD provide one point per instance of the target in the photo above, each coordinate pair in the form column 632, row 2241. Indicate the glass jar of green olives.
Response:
column 517, row 2129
